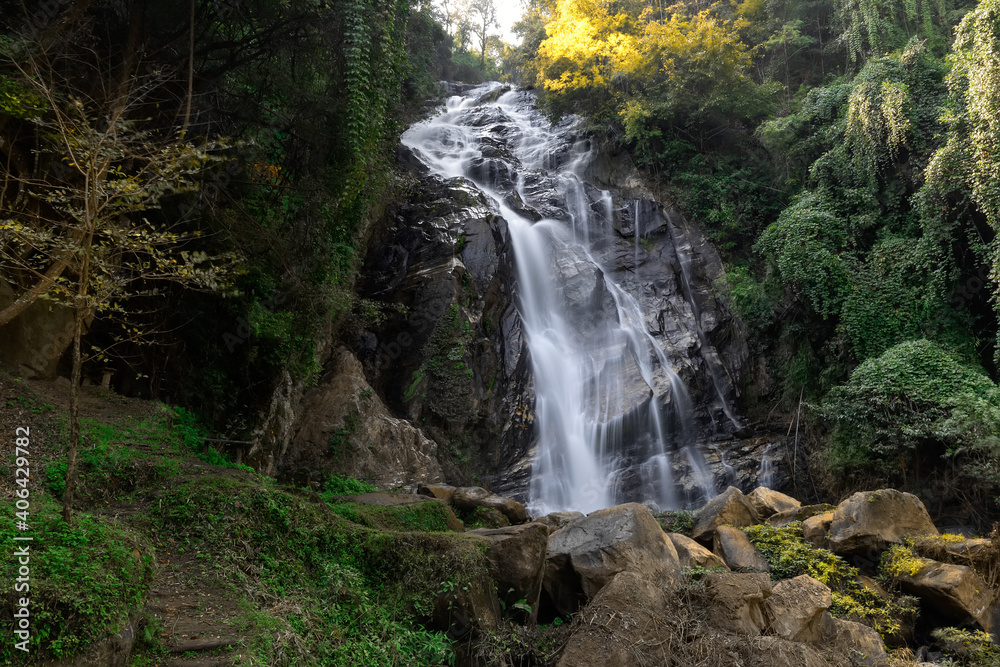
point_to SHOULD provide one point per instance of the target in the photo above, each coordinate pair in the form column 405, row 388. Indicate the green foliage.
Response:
column 898, row 296
column 355, row 594
column 342, row 486
column 86, row 580
column 971, row 648
column 804, row 245
column 913, row 394
column 677, row 521
column 750, row 297
column 789, row 556
column 424, row 516
column 899, row 560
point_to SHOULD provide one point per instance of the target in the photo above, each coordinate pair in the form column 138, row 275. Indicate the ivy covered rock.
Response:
column 953, row 591
column 469, row 499
column 913, row 394
column 870, row 521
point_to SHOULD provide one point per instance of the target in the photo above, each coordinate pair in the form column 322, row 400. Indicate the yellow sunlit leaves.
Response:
column 591, row 43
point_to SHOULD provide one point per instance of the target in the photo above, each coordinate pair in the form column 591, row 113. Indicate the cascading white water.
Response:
column 608, row 403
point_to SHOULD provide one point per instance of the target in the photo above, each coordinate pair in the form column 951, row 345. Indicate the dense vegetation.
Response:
column 246, row 151
column 842, row 155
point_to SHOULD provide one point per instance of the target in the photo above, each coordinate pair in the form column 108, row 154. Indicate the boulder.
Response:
column 735, row 601
column 858, row 643
column 439, row 491
column 469, row 498
column 556, row 520
column 692, row 554
column 390, row 520
column 734, row 547
column 460, row 611
column 954, row 591
column 344, row 428
column 800, row 514
column 585, row 554
column 816, row 528
column 768, row 502
column 796, row 608
column 730, row 507
column 979, row 553
column 620, row 620
column 517, row 564
column 869, row 521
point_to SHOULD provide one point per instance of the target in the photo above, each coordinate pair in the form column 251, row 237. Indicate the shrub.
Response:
column 914, row 394
column 789, row 556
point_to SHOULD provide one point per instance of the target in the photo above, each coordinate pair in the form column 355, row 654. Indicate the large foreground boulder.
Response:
column 517, row 564
column 870, row 521
column 622, row 617
column 587, row 553
column 735, row 602
column 953, row 591
column 861, row 645
column 796, row 608
column 729, row 508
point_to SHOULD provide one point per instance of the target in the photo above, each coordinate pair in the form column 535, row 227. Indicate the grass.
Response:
column 86, row 581
column 353, row 595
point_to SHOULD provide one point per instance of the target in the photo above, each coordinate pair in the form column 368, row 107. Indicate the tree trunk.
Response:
column 74, row 417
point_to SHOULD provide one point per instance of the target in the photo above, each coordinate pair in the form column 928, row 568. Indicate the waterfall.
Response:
column 613, row 419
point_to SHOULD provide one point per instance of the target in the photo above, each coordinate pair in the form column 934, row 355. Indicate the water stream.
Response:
column 613, row 419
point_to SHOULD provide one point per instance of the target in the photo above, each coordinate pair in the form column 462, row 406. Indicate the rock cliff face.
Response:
column 444, row 344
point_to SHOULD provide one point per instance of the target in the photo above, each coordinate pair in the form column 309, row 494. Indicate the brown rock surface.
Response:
column 734, row 547
column 768, row 502
column 345, row 429
column 730, row 508
column 692, row 554
column 587, row 553
column 870, row 521
column 736, row 601
column 796, row 608
column 517, row 563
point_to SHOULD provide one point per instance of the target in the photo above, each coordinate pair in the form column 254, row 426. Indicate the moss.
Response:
column 425, row 516
column 790, row 556
column 485, row 517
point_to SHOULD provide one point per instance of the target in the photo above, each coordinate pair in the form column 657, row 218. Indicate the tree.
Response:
column 484, row 15
column 78, row 225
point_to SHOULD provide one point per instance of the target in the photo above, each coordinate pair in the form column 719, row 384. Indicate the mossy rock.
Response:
column 426, row 514
column 87, row 580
